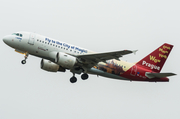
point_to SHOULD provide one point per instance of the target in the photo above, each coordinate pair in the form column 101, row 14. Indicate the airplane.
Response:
column 58, row 56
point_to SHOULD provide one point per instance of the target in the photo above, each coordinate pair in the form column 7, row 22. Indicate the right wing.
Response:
column 94, row 58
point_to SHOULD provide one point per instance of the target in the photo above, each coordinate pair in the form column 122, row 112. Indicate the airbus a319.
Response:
column 58, row 56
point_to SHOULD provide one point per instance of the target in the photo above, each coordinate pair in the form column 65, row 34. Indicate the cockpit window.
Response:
column 17, row 34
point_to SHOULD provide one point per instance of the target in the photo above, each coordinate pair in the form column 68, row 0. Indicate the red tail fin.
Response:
column 155, row 60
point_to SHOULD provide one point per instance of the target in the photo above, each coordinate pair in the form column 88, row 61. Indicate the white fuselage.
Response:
column 43, row 46
column 46, row 48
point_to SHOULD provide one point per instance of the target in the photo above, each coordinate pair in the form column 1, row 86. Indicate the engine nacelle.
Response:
column 50, row 66
column 65, row 60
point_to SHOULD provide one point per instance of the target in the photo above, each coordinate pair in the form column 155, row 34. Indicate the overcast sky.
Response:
column 27, row 92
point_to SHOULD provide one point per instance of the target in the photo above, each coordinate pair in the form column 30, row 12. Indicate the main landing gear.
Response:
column 84, row 76
column 73, row 79
column 26, row 56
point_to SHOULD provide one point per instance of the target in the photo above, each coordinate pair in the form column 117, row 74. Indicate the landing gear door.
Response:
column 32, row 38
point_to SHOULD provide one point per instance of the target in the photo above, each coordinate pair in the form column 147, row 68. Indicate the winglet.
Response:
column 134, row 51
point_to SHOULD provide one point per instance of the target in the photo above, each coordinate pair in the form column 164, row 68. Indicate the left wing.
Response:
column 94, row 58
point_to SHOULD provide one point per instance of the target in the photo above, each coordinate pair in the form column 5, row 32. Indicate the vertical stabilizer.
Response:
column 155, row 60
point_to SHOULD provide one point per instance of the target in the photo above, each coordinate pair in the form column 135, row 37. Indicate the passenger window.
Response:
column 37, row 39
column 42, row 41
column 45, row 42
column 58, row 46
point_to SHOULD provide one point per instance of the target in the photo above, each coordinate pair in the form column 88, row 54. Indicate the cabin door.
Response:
column 134, row 70
column 32, row 38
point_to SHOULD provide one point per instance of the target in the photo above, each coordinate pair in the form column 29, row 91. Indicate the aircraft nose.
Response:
column 6, row 39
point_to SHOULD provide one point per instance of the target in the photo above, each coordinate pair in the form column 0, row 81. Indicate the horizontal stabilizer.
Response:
column 158, row 75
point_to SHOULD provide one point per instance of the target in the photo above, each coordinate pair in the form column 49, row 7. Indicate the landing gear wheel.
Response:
column 23, row 61
column 73, row 79
column 26, row 56
column 84, row 76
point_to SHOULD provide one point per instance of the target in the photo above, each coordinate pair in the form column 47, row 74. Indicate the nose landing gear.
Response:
column 23, row 61
column 26, row 56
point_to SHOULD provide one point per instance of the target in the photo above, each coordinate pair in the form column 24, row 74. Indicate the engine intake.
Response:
column 50, row 66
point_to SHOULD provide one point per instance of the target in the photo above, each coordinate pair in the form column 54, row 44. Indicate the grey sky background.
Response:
column 27, row 92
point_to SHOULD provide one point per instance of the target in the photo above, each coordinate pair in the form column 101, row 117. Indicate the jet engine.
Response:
column 50, row 66
column 65, row 60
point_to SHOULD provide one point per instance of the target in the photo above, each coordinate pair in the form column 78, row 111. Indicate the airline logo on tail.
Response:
column 151, row 66
column 155, row 60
